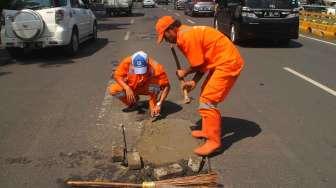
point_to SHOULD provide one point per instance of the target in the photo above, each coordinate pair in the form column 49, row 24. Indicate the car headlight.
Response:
column 196, row 7
column 249, row 15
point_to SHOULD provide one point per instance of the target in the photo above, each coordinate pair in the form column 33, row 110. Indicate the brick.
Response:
column 194, row 163
column 118, row 154
column 171, row 171
column 134, row 160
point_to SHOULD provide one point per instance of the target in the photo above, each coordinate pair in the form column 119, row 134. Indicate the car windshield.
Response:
column 35, row 4
column 277, row 4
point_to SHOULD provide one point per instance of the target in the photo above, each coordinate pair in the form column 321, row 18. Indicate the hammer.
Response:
column 187, row 99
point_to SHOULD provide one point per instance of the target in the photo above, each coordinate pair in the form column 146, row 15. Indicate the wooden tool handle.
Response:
column 100, row 184
column 178, row 66
column 177, row 62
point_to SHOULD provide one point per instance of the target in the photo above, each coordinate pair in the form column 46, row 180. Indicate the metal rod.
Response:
column 125, row 143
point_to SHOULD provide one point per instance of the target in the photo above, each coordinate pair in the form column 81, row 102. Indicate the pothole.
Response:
column 166, row 141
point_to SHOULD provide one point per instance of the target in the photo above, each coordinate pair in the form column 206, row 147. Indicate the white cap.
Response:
column 140, row 62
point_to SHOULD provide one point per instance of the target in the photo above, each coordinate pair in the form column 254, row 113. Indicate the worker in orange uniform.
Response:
column 140, row 75
column 207, row 51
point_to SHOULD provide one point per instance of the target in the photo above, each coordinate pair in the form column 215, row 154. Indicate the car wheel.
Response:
column 234, row 36
column 72, row 48
column 94, row 32
column 15, row 52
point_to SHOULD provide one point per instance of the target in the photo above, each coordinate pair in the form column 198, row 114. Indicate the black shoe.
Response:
column 131, row 108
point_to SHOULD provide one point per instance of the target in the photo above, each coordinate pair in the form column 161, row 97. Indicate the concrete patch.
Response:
column 166, row 141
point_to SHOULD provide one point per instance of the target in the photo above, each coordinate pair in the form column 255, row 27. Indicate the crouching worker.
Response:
column 140, row 75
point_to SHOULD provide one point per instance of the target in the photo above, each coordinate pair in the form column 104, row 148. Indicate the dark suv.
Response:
column 252, row 19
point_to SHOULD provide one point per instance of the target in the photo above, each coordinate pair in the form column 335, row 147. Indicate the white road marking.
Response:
column 190, row 21
column 169, row 10
column 325, row 88
column 318, row 40
column 127, row 35
column 132, row 21
column 177, row 14
column 107, row 101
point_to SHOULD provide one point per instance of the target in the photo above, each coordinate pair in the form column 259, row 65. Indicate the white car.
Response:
column 148, row 3
column 46, row 23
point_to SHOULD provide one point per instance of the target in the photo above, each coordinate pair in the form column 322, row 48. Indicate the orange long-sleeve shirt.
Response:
column 206, row 48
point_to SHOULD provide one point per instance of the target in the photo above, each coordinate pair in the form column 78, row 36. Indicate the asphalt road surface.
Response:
column 278, row 121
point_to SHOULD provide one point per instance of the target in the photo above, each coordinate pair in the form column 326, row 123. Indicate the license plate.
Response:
column 271, row 14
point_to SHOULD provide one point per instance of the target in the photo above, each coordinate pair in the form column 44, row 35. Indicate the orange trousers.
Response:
column 151, row 90
column 214, row 90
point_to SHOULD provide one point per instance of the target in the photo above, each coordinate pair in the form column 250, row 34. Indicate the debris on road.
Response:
column 195, row 163
column 174, row 170
column 134, row 160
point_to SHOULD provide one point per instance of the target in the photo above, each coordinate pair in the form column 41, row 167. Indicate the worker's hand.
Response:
column 156, row 111
column 189, row 85
column 181, row 73
column 130, row 95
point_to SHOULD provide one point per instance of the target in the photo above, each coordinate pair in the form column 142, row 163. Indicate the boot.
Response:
column 200, row 133
column 212, row 125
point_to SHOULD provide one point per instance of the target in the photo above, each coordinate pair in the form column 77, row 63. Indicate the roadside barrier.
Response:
column 320, row 24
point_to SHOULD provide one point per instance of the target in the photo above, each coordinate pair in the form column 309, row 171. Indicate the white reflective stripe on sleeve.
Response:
column 206, row 106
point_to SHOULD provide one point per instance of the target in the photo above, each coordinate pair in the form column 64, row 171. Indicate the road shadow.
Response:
column 55, row 57
column 4, row 73
column 112, row 26
column 167, row 108
column 270, row 44
column 233, row 130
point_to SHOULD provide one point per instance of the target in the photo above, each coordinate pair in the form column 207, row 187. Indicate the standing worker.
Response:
column 140, row 75
column 207, row 51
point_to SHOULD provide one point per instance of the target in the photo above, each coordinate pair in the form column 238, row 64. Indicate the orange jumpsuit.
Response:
column 149, row 84
column 208, row 50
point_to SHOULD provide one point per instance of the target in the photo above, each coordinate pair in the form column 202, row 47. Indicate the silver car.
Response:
column 199, row 7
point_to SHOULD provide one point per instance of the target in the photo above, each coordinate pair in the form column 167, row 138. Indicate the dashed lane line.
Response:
column 128, row 33
column 321, row 86
column 132, row 21
column 177, row 14
column 190, row 21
